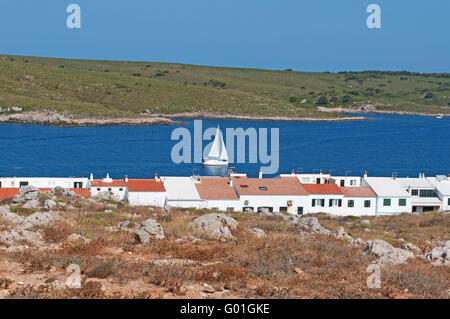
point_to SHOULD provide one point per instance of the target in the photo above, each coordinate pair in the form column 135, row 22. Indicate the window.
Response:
column 342, row 183
column 402, row 202
column 246, row 202
column 120, row 189
column 414, row 192
column 306, row 180
column 263, row 188
column 352, row 182
column 98, row 189
column 283, row 209
column 109, row 189
column 300, row 210
column 448, row 203
column 426, row 193
column 335, row 202
column 77, row 185
column 23, row 184
column 248, row 209
column 230, row 209
column 0, row 184
column 214, row 208
column 313, row 204
column 351, row 203
column 387, row 202
column 367, row 203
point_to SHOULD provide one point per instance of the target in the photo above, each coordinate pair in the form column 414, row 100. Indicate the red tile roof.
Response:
column 85, row 192
column 322, row 189
column 145, row 185
column 269, row 186
column 114, row 183
column 6, row 193
column 358, row 192
column 215, row 188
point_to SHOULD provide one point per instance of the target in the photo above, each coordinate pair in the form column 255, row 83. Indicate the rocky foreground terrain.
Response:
column 57, row 244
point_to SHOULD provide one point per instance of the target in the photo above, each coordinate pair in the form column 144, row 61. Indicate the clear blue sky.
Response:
column 312, row 35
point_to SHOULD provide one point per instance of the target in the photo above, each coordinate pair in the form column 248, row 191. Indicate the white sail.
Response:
column 223, row 154
column 218, row 149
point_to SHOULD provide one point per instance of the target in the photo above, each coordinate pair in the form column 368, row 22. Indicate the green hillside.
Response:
column 109, row 88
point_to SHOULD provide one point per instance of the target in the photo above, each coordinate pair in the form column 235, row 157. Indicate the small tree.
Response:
column 322, row 100
column 429, row 95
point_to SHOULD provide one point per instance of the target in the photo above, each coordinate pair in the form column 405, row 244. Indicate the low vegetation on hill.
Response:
column 145, row 252
column 124, row 89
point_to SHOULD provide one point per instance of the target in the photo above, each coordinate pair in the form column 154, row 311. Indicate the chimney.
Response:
column 293, row 172
column 260, row 173
column 126, row 178
column 156, row 177
column 320, row 172
column 91, row 177
column 365, row 173
column 231, row 182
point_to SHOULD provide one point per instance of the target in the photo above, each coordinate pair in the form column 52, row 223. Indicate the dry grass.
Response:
column 285, row 264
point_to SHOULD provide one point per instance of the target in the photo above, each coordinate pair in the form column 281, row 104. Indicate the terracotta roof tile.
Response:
column 145, row 185
column 358, row 192
column 114, row 183
column 322, row 189
column 6, row 193
column 215, row 188
column 269, row 186
column 85, row 192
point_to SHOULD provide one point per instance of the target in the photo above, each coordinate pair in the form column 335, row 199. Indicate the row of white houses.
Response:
column 291, row 193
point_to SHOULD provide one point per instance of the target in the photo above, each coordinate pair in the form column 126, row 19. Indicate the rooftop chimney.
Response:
column 320, row 172
column 91, row 177
column 365, row 173
column 107, row 179
column 156, row 177
column 126, row 178
column 293, row 172
column 260, row 173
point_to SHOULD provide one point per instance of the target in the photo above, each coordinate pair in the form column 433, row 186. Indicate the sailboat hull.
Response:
column 213, row 162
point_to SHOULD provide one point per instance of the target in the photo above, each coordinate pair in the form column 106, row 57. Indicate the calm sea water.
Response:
column 406, row 145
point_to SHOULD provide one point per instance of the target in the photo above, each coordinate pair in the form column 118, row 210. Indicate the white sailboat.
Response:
column 217, row 155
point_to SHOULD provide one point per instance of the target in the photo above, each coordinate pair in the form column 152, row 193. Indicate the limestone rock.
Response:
column 257, row 232
column 149, row 230
column 215, row 226
column 386, row 253
column 38, row 219
column 311, row 224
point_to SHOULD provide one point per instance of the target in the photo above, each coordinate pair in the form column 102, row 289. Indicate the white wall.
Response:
column 275, row 201
column 348, row 180
column 43, row 182
column 394, row 208
column 157, row 199
column 116, row 191
column 359, row 209
column 445, row 200
column 335, row 210
column 222, row 204
column 185, row 203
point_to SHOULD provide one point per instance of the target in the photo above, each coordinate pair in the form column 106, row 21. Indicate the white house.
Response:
column 443, row 192
column 272, row 194
column 181, row 192
column 358, row 201
column 346, row 181
column 115, row 186
column 392, row 198
column 319, row 178
column 44, row 182
column 423, row 194
column 324, row 198
column 145, row 192
column 218, row 193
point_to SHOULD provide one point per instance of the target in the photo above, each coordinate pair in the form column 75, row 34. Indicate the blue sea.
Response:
column 383, row 145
